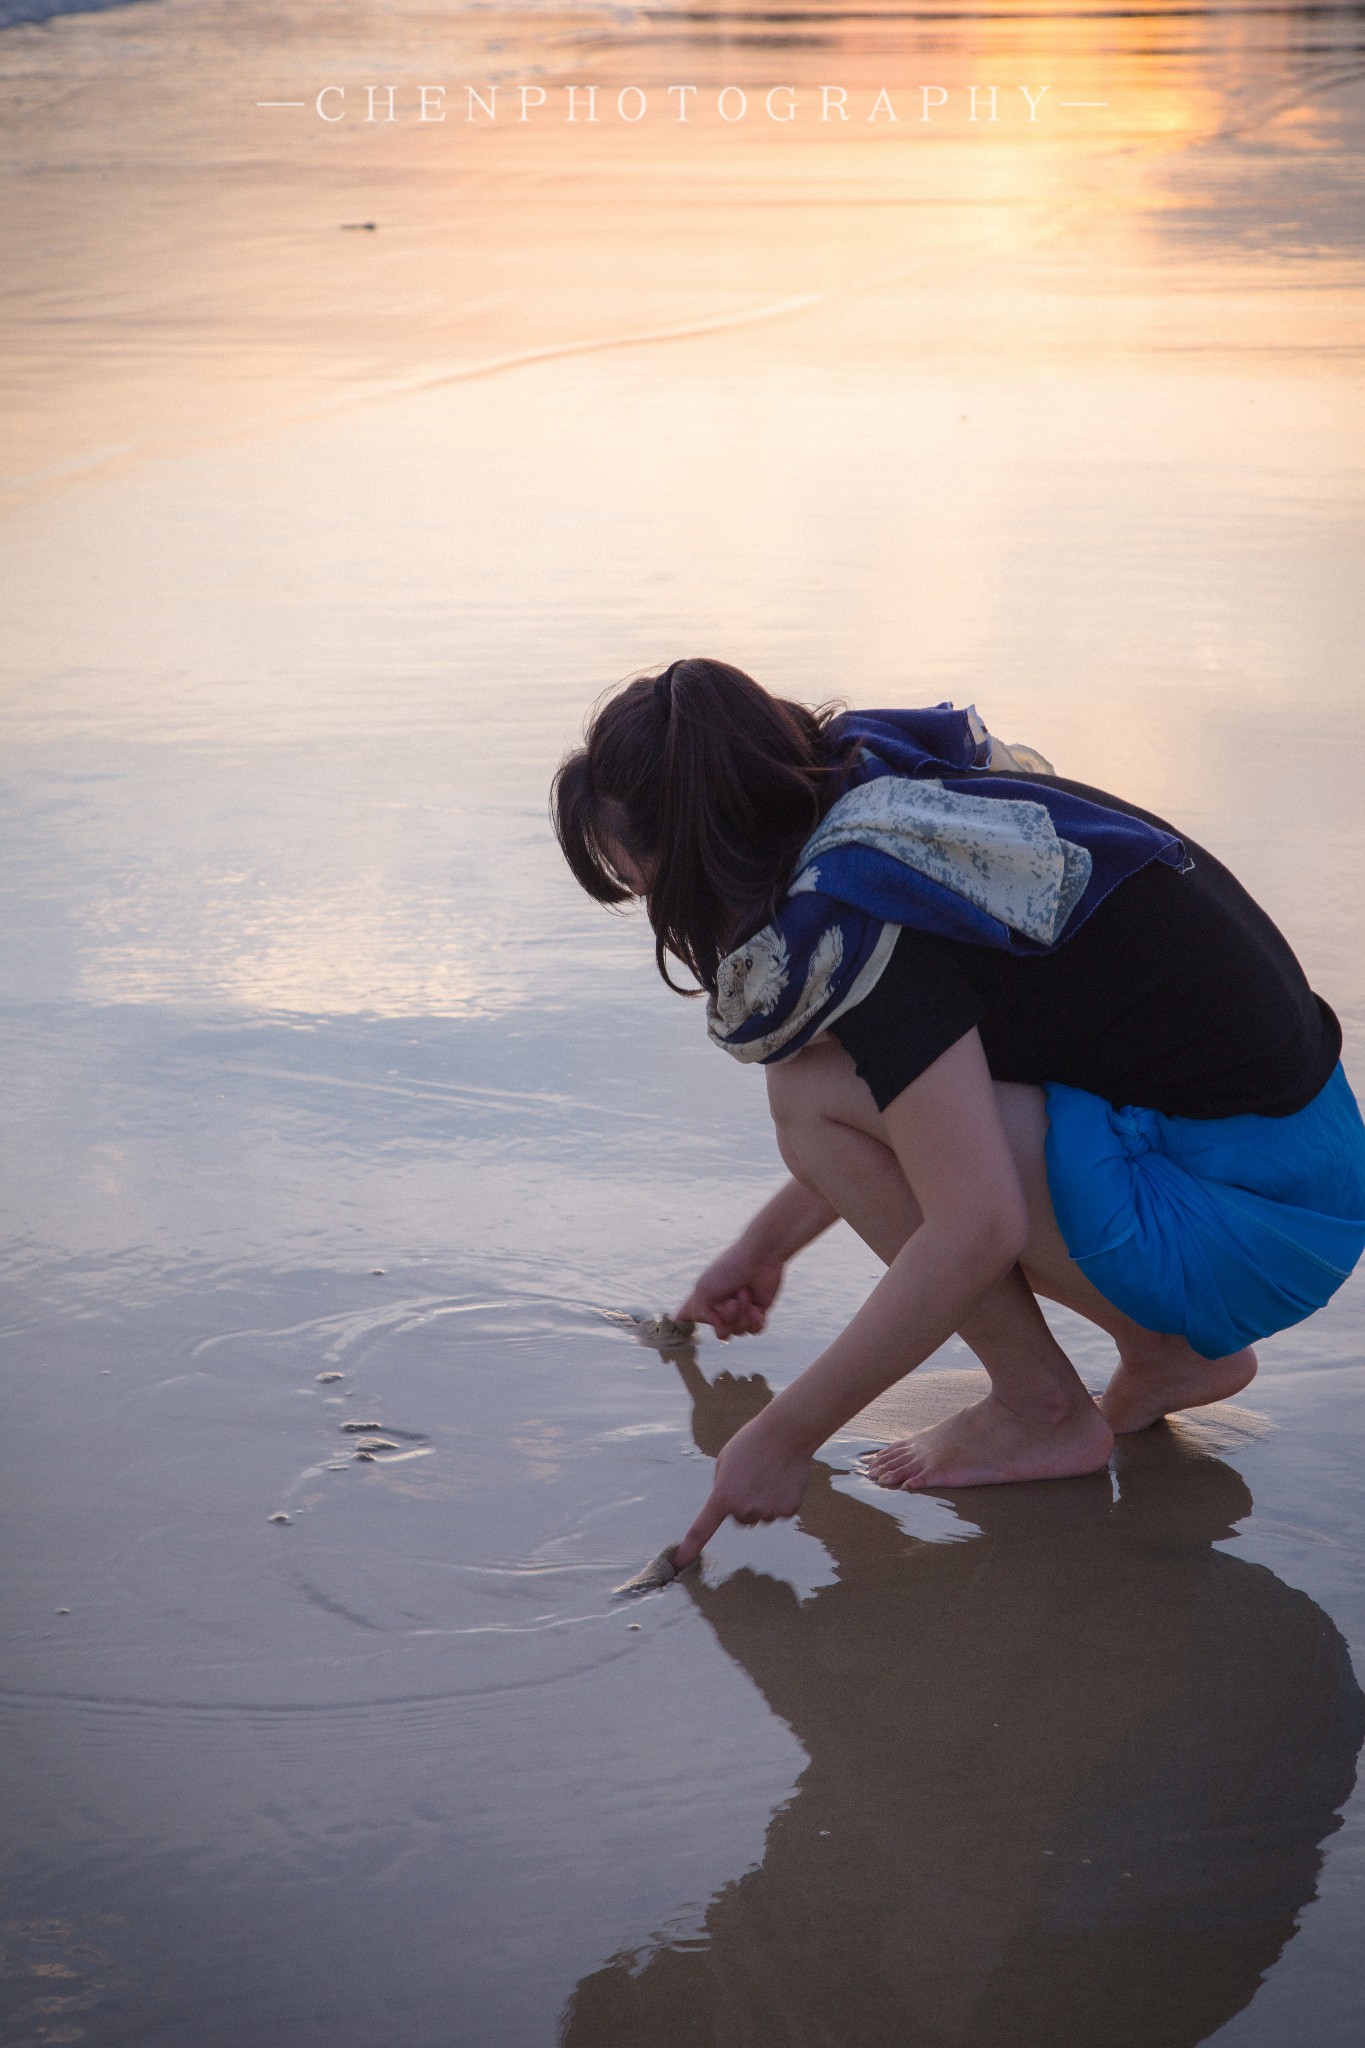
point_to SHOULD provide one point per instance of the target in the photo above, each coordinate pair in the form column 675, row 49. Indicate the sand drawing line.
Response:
column 463, row 1094
column 258, row 1710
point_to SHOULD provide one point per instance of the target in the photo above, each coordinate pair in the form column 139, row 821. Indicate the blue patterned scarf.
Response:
column 936, row 833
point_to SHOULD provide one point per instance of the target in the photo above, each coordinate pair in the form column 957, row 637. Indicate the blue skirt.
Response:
column 1220, row 1231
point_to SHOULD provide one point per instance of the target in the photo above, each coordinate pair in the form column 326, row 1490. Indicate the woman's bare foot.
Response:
column 989, row 1445
column 1167, row 1377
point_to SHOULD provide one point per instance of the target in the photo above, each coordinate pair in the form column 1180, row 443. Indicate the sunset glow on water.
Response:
column 346, row 461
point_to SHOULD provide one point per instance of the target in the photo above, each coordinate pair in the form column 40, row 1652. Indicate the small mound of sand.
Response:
column 660, row 1571
column 664, row 1333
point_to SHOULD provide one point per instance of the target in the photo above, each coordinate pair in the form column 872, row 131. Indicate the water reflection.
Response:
column 1068, row 1780
column 327, row 540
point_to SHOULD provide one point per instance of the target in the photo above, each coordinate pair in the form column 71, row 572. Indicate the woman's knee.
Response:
column 789, row 1104
column 809, row 1095
column 811, row 1087
column 1023, row 1112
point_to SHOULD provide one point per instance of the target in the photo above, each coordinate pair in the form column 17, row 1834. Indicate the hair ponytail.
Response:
column 710, row 787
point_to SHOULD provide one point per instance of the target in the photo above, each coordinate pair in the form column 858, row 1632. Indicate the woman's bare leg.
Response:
column 832, row 1137
column 1157, row 1373
column 1038, row 1422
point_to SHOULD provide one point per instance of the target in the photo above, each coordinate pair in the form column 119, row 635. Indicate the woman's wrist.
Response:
column 760, row 1240
column 785, row 1428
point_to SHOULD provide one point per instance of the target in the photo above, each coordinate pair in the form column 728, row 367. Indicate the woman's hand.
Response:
column 760, row 1477
column 736, row 1291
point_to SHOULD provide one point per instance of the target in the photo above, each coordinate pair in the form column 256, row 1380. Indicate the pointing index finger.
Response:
column 700, row 1533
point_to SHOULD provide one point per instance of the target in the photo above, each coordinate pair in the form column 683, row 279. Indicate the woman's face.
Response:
column 630, row 871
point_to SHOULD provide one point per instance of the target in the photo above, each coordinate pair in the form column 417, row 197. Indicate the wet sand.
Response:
column 329, row 1103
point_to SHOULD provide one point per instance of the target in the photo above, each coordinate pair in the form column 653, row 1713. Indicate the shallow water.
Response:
column 316, row 544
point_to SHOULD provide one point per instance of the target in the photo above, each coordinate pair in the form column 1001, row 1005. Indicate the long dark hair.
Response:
column 710, row 787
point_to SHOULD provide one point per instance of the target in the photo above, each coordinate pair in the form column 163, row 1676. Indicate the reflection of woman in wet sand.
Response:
column 1067, row 1781
column 1019, row 1035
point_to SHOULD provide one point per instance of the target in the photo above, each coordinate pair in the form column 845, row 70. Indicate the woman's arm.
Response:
column 947, row 1135
column 737, row 1289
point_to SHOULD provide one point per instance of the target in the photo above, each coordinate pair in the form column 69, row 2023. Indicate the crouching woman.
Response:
column 1021, row 1035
